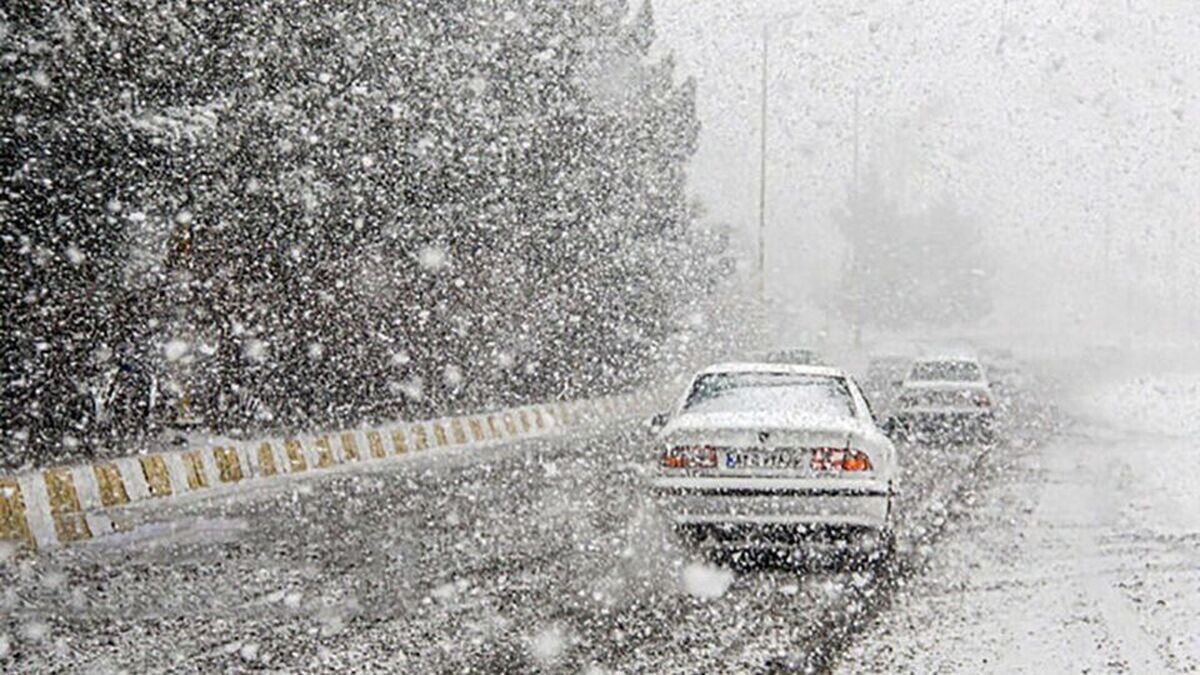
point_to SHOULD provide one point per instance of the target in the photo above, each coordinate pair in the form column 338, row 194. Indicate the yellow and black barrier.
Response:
column 60, row 505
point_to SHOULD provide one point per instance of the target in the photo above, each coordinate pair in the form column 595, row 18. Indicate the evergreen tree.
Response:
column 306, row 214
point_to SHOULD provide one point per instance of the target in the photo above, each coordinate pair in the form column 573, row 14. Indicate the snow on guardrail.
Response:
column 51, row 507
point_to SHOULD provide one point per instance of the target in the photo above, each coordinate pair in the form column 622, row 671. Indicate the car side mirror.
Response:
column 888, row 427
column 656, row 423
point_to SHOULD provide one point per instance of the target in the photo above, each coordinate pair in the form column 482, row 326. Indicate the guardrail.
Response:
column 52, row 507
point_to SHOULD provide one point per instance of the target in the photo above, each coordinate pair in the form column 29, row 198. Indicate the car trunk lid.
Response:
column 760, row 450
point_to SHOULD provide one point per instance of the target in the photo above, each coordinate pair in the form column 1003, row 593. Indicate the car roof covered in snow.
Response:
column 760, row 367
column 947, row 356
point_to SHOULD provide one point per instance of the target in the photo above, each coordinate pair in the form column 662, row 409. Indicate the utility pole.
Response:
column 762, row 172
column 861, row 294
column 762, row 153
column 856, row 118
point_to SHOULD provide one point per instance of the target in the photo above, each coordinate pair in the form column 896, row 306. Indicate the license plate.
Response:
column 768, row 459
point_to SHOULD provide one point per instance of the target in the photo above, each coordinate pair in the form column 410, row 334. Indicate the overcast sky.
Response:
column 1062, row 123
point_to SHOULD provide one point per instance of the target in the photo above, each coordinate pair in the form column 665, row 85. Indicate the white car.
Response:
column 776, row 456
column 946, row 398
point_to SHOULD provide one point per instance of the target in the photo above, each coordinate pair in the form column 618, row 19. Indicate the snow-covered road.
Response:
column 542, row 555
column 1085, row 557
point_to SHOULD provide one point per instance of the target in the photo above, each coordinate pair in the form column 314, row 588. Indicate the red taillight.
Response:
column 856, row 460
column 840, row 459
column 690, row 457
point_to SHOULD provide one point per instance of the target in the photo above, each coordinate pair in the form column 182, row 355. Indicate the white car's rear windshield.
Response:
column 947, row 371
column 747, row 392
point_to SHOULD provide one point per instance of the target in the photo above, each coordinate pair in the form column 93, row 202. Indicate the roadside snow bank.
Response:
column 1151, row 404
column 1154, row 423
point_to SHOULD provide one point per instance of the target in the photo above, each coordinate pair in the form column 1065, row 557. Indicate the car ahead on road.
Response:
column 780, row 457
column 797, row 356
column 945, row 398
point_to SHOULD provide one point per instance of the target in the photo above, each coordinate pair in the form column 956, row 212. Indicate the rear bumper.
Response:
column 822, row 503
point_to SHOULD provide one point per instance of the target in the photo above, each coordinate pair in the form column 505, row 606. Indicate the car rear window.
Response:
column 739, row 392
column 938, row 398
column 947, row 371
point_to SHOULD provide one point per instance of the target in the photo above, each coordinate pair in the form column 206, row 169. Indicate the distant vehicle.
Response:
column 777, row 457
column 946, row 398
column 797, row 356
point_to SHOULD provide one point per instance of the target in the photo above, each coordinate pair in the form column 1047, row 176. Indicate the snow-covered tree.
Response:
column 302, row 214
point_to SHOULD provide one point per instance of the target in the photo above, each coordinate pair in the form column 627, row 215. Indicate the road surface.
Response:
column 1083, row 558
column 539, row 556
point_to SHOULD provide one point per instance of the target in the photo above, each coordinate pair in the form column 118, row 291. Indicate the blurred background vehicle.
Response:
column 801, row 356
column 945, row 399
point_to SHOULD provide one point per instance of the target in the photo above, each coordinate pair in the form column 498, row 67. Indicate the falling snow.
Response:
column 497, row 337
column 705, row 581
column 175, row 350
